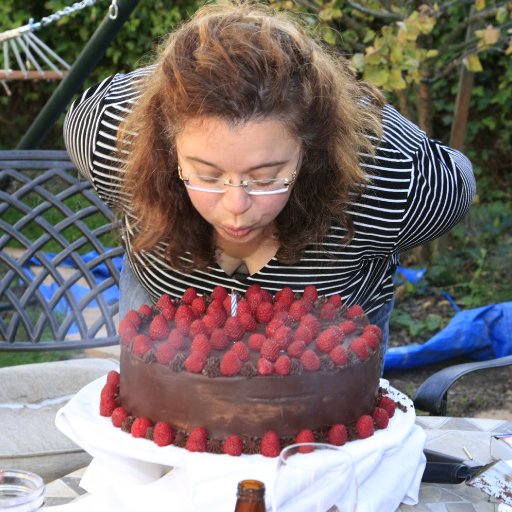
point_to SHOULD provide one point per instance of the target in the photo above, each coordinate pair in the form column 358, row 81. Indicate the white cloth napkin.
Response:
column 132, row 474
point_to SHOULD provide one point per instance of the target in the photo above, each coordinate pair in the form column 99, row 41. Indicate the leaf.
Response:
column 357, row 61
column 489, row 35
column 396, row 81
column 472, row 63
column 376, row 76
column 479, row 5
column 501, row 15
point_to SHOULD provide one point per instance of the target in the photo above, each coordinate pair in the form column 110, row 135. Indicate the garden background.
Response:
column 447, row 65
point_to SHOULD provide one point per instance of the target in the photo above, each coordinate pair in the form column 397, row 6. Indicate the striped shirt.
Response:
column 419, row 189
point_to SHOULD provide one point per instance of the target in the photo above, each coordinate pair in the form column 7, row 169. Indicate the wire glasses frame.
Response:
column 252, row 187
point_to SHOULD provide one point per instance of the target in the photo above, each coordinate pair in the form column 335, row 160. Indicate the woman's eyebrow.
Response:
column 271, row 163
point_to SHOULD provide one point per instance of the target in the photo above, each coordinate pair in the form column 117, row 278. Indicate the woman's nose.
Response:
column 236, row 200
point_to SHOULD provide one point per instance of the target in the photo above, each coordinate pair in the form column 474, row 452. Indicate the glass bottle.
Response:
column 250, row 496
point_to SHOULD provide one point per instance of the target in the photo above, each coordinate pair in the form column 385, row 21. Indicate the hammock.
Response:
column 34, row 59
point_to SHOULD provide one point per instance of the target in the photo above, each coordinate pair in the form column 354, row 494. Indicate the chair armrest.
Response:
column 432, row 395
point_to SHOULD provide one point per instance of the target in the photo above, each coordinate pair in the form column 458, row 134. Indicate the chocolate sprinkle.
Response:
column 212, row 367
column 248, row 370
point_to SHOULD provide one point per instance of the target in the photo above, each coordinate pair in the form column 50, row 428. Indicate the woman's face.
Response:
column 254, row 150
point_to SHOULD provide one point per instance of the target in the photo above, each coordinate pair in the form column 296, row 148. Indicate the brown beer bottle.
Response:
column 250, row 496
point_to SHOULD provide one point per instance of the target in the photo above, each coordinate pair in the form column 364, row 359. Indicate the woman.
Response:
column 249, row 154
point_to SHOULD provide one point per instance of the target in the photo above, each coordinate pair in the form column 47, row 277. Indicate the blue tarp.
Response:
column 481, row 333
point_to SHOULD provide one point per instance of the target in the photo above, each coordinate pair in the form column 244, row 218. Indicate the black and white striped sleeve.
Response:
column 81, row 126
column 441, row 189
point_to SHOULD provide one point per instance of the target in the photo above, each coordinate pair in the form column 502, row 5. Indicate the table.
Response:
column 447, row 435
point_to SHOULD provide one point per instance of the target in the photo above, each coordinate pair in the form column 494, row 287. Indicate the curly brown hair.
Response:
column 242, row 61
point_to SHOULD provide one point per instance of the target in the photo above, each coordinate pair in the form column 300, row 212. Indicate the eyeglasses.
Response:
column 252, row 187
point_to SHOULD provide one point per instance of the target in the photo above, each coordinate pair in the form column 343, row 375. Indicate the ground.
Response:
column 484, row 394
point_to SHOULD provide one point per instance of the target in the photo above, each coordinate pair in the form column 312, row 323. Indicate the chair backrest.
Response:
column 59, row 256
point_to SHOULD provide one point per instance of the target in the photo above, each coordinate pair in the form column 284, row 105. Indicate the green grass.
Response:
column 17, row 358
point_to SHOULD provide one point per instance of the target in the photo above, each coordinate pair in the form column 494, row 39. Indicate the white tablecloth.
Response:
column 135, row 474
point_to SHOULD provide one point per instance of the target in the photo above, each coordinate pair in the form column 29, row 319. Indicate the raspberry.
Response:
column 297, row 310
column 165, row 353
column 328, row 339
column 272, row 327
column 113, row 378
column 201, row 344
column 283, row 365
column 177, row 339
column 241, row 350
column 255, row 341
column 219, row 293
column 354, row 312
column 140, row 427
column 141, row 345
column 328, row 312
column 183, row 323
column 305, row 436
column 311, row 323
column 375, row 329
column 163, row 434
column 337, row 435
column 133, row 317
column 264, row 312
column 285, row 295
column 360, row 347
column 339, row 355
column 265, row 367
column 283, row 337
column 107, row 406
column 198, row 306
column 296, row 349
column 283, row 317
column 310, row 361
column 195, row 362
column 218, row 339
column 270, row 350
column 185, row 311
column 335, row 300
column 188, row 296
column 213, row 321
column 310, row 293
column 145, row 310
column 216, row 305
column 364, row 426
column 230, row 365
column 267, row 296
column 124, row 325
column 371, row 339
column 119, row 414
column 108, row 391
column 169, row 313
column 197, row 327
column 281, row 306
column 127, row 333
column 197, row 440
column 254, row 301
column 303, row 333
column 247, row 321
column 380, row 417
column 226, row 305
column 233, row 446
column 234, row 329
column 253, row 289
column 270, row 445
column 244, row 308
column 387, row 404
column 158, row 328
column 348, row 327
column 164, row 301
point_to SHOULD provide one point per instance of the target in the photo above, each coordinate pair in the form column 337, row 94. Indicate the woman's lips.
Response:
column 236, row 232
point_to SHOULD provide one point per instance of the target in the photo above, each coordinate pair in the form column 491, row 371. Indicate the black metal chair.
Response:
column 432, row 395
column 59, row 276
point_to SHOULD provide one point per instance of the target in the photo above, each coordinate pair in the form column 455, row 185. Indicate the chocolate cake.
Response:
column 247, row 374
